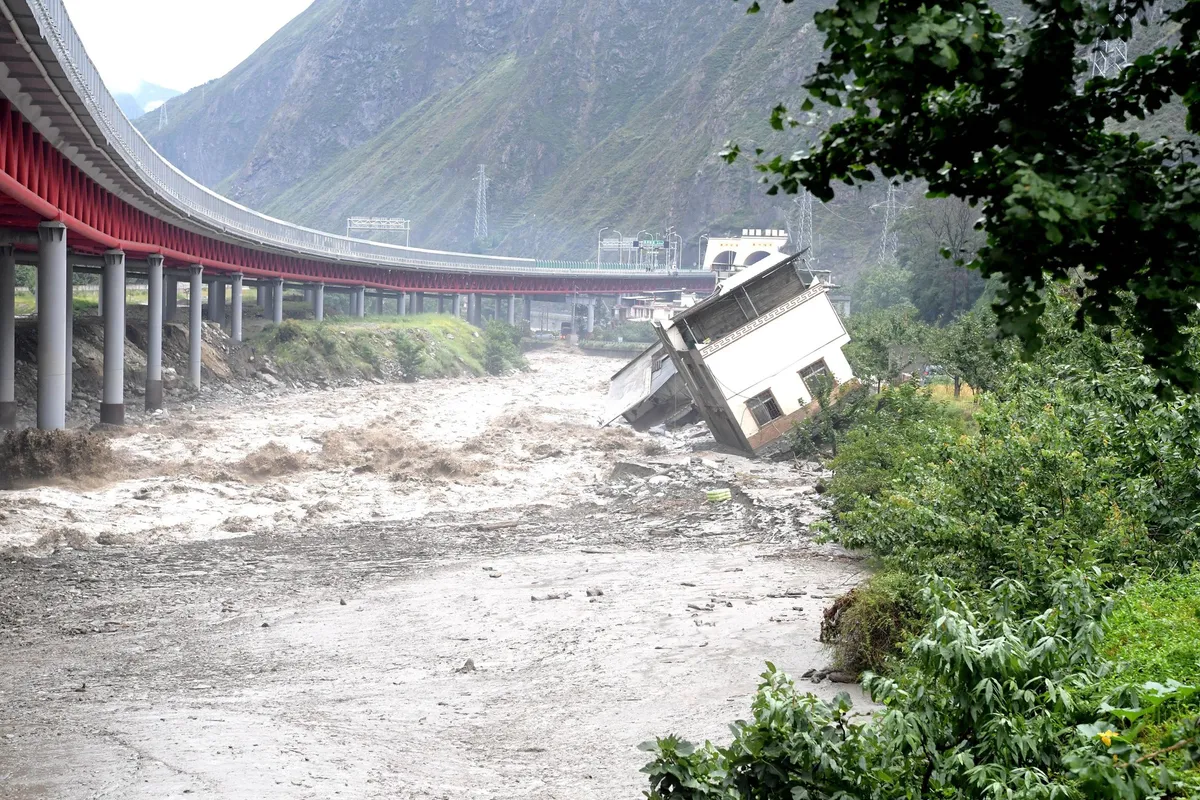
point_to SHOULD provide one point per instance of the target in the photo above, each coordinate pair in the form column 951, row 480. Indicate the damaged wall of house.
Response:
column 648, row 391
column 768, row 374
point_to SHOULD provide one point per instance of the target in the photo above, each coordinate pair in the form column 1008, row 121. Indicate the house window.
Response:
column 764, row 408
column 816, row 375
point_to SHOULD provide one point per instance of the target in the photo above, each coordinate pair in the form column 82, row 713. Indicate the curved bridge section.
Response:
column 68, row 154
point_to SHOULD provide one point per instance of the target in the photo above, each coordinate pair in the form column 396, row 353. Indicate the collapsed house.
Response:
column 754, row 355
column 648, row 391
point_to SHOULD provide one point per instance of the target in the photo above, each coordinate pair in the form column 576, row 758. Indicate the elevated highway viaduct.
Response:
column 81, row 188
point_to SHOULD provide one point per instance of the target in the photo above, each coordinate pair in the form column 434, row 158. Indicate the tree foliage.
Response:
column 1075, row 462
column 937, row 237
column 999, row 705
column 994, row 114
column 884, row 342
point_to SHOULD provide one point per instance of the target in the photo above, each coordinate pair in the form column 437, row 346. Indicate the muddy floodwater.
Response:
column 455, row 589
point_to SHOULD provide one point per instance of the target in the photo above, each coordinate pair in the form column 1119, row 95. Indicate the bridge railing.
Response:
column 203, row 205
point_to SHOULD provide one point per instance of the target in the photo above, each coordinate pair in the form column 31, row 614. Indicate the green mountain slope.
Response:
column 586, row 114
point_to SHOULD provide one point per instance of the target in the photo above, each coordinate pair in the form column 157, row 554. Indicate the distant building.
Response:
column 728, row 254
column 754, row 353
column 656, row 306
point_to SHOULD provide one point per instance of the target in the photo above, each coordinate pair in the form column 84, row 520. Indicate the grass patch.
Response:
column 1154, row 631
column 1153, row 636
column 368, row 347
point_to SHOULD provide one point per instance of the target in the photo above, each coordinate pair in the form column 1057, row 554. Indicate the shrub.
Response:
column 996, row 706
column 868, row 626
column 410, row 356
column 289, row 330
column 500, row 349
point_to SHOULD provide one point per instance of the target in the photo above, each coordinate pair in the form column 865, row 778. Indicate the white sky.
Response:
column 175, row 43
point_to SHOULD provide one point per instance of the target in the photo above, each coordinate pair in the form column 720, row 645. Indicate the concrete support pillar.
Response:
column 472, row 308
column 99, row 291
column 512, row 309
column 8, row 338
column 277, row 300
column 528, row 308
column 52, row 326
column 171, row 306
column 458, row 301
column 419, row 303
column 235, row 321
column 260, row 295
column 360, row 292
column 402, row 304
column 69, row 327
column 112, row 400
column 379, row 304
column 154, row 333
column 318, row 294
column 591, row 318
column 195, row 326
column 212, row 302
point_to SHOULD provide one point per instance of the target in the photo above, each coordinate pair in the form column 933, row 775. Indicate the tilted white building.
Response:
column 753, row 353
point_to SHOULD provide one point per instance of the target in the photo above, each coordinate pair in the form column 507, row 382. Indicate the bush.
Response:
column 996, row 706
column 289, row 330
column 500, row 349
column 868, row 626
column 410, row 356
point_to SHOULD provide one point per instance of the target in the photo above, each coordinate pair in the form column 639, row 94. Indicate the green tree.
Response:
column 410, row 356
column 970, row 352
column 994, row 114
column 883, row 342
column 500, row 348
column 881, row 287
column 936, row 236
column 26, row 276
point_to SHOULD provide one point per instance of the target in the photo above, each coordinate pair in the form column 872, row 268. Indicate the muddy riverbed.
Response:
column 457, row 589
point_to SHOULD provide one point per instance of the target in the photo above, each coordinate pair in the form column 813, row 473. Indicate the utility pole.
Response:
column 481, row 210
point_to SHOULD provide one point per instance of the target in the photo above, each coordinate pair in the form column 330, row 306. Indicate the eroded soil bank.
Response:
column 278, row 597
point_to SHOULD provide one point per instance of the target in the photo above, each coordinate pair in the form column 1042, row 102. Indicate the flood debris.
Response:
column 30, row 456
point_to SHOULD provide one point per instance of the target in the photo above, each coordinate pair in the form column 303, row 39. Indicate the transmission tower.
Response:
column 803, row 233
column 1108, row 58
column 481, row 222
column 889, row 244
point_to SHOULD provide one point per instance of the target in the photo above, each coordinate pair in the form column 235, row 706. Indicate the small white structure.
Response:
column 753, row 354
column 732, row 253
column 658, row 307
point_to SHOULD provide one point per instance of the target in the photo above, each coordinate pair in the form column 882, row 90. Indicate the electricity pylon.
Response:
column 889, row 243
column 481, row 220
